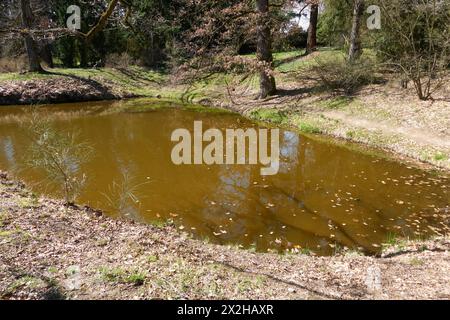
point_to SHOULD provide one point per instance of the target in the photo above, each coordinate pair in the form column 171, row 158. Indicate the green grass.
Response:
column 21, row 77
column 29, row 202
column 160, row 223
column 204, row 109
column 134, row 79
column 25, row 281
column 6, row 234
column 152, row 258
column 142, row 82
column 440, row 156
column 416, row 262
column 307, row 127
column 336, row 103
column 3, row 216
column 119, row 275
column 269, row 115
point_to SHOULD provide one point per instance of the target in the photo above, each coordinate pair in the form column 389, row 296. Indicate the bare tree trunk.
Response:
column 264, row 50
column 312, row 30
column 30, row 44
column 355, row 36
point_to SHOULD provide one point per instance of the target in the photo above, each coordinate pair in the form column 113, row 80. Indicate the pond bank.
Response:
column 53, row 252
column 76, row 85
column 381, row 116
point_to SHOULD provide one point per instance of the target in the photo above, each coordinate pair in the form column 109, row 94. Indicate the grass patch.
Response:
column 307, row 127
column 152, row 258
column 416, row 262
column 14, row 76
column 336, row 103
column 28, row 202
column 138, row 105
column 26, row 281
column 160, row 223
column 250, row 284
column 3, row 216
column 393, row 241
column 205, row 109
column 440, row 157
column 133, row 79
column 6, row 234
column 119, row 275
column 269, row 115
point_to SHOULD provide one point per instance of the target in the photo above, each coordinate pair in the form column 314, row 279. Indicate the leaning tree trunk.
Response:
column 30, row 44
column 264, row 50
column 355, row 36
column 312, row 30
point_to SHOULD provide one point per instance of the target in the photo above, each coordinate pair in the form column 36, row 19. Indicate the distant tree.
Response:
column 267, row 84
column 34, row 30
column 415, row 39
column 312, row 30
column 335, row 22
column 30, row 44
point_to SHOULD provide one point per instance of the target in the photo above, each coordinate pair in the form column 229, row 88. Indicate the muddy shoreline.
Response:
column 50, row 251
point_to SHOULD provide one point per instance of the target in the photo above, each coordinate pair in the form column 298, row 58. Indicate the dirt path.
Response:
column 52, row 252
column 421, row 136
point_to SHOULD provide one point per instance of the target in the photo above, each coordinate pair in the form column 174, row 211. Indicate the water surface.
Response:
column 325, row 196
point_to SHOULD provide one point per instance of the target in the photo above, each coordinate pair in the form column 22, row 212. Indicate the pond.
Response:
column 325, row 197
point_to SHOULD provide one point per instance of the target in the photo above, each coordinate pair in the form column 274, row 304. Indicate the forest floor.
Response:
column 49, row 251
column 384, row 115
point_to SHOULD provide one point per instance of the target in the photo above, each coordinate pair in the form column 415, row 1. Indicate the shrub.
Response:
column 344, row 77
column 59, row 154
column 415, row 40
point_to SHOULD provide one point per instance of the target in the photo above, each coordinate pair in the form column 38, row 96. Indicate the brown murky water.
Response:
column 324, row 197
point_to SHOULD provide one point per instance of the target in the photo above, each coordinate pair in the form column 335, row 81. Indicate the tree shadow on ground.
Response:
column 137, row 76
column 278, row 63
column 98, row 86
column 315, row 292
